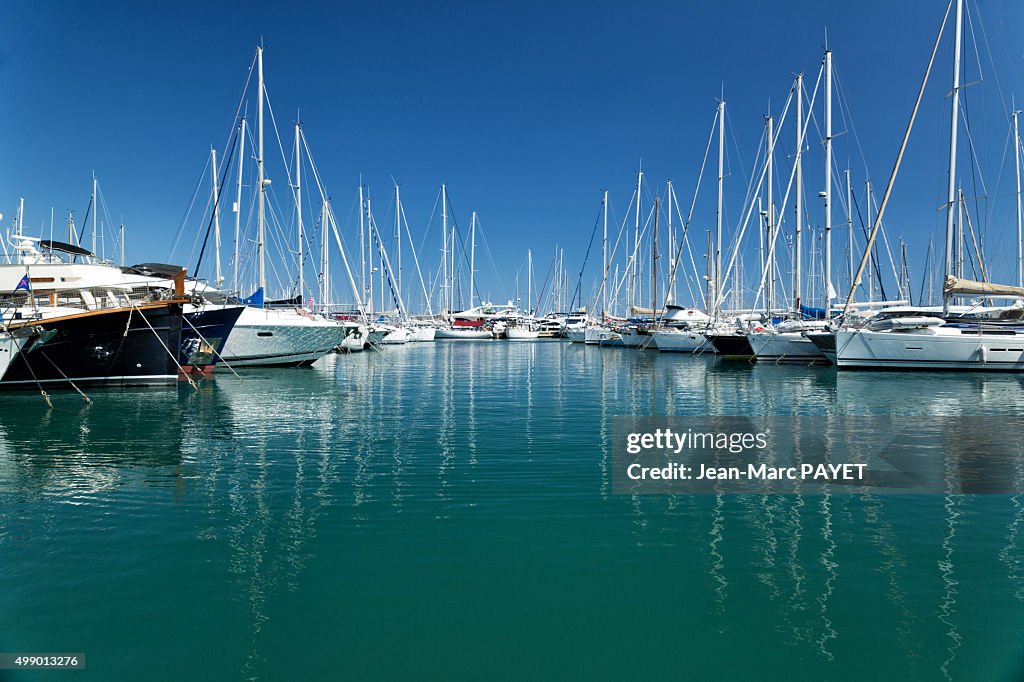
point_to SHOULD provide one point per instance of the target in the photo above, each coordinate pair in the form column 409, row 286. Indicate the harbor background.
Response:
column 444, row 511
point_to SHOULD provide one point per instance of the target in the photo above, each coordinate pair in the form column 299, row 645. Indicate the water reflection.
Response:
column 474, row 472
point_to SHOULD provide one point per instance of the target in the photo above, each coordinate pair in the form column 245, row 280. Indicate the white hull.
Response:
column 784, row 346
column 930, row 349
column 601, row 336
column 10, row 346
column 463, row 334
column 422, row 333
column 634, row 339
column 280, row 337
column 676, row 341
column 576, row 335
column 354, row 342
column 522, row 334
column 396, row 336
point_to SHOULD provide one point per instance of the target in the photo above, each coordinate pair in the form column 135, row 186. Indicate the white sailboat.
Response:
column 786, row 341
column 975, row 339
column 276, row 336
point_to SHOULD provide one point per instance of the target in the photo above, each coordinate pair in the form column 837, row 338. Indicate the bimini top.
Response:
column 162, row 270
column 64, row 247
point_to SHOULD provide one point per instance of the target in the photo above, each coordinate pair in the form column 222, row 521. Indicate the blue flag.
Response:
column 23, row 284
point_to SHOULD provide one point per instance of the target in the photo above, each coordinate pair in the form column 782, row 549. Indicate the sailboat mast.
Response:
column 261, row 179
column 216, row 218
column 871, row 254
column 362, row 245
column 238, row 206
column 849, row 225
column 717, row 298
column 1020, row 235
column 94, row 212
column 369, row 248
column 472, row 260
column 960, row 232
column 770, row 205
column 953, row 125
column 298, row 209
column 398, row 235
column 529, row 281
column 446, row 296
column 670, row 295
column 326, row 263
column 636, row 241
column 828, row 180
column 799, row 192
column 121, row 240
column 654, row 263
column 604, row 258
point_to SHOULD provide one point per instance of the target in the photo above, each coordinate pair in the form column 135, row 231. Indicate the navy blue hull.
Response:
column 123, row 347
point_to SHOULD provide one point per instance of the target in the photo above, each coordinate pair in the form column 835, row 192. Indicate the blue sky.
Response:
column 526, row 110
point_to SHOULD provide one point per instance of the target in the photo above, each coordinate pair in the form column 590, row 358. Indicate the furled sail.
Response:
column 969, row 287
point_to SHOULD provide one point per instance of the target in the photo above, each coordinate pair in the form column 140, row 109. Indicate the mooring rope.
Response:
column 66, row 378
column 173, row 357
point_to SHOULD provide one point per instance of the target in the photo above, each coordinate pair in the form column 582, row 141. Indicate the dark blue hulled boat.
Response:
column 204, row 332
column 107, row 347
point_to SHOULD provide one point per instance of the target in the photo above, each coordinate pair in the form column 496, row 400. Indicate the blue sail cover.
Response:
column 813, row 313
column 256, row 300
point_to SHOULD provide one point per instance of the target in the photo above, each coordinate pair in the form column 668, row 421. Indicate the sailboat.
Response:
column 986, row 339
column 526, row 328
column 288, row 335
column 786, row 340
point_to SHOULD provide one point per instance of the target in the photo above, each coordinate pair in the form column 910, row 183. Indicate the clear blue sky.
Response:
column 526, row 110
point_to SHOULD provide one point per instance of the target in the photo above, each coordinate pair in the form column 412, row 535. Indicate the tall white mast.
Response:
column 953, row 125
column 770, row 264
column 670, row 295
column 1020, row 235
column 238, row 205
column 604, row 258
column 871, row 255
column 325, row 291
column 828, row 180
column 959, row 232
column 121, row 240
column 529, row 281
column 849, row 222
column 636, row 242
column 472, row 260
column 716, row 300
column 261, row 179
column 94, row 212
column 799, row 194
column 446, row 287
column 298, row 209
column 362, row 246
column 397, row 233
column 451, row 253
column 216, row 218
column 369, row 248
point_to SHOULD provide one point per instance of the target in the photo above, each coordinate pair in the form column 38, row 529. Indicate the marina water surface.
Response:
column 445, row 511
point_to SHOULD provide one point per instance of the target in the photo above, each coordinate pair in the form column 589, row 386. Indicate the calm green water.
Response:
column 444, row 511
